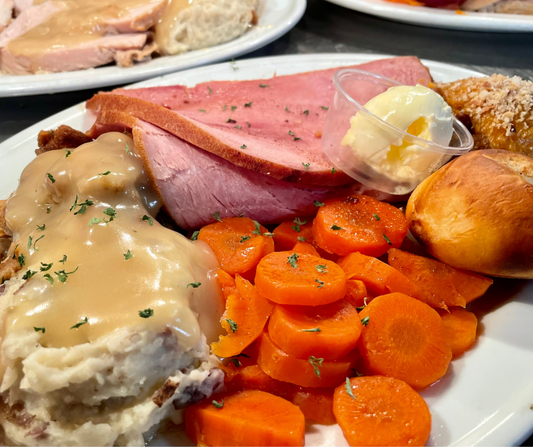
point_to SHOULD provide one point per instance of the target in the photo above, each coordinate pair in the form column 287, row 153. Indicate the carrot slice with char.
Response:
column 238, row 243
column 254, row 378
column 330, row 331
column 316, row 404
column 356, row 292
column 305, row 248
column 443, row 286
column 379, row 278
column 247, row 418
column 460, row 327
column 404, row 338
column 359, row 223
column 291, row 278
column 288, row 233
column 313, row 372
column 244, row 319
column 378, row 411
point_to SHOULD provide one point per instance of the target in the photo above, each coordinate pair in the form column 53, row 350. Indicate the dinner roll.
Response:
column 476, row 213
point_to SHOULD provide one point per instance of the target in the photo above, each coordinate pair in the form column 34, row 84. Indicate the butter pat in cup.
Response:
column 396, row 139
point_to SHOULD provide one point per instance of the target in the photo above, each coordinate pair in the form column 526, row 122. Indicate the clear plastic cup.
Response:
column 355, row 88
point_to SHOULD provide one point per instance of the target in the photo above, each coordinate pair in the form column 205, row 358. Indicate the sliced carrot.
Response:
column 244, row 319
column 330, row 331
column 460, row 326
column 404, row 338
column 305, row 248
column 313, row 372
column 254, row 378
column 356, row 292
column 226, row 282
column 291, row 278
column 238, row 243
column 359, row 223
column 378, row 411
column 442, row 286
column 247, row 418
column 316, row 404
column 379, row 278
column 288, row 233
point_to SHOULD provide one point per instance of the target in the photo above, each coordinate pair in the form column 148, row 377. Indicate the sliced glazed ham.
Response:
column 272, row 126
column 194, row 184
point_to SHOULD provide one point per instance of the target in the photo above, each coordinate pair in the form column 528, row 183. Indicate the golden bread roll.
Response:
column 476, row 213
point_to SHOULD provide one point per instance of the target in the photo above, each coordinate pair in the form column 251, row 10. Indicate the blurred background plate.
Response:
column 441, row 18
column 276, row 17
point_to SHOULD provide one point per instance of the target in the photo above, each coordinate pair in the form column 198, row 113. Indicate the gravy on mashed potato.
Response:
column 99, row 272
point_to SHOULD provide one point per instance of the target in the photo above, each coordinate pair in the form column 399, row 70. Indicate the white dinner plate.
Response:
column 441, row 18
column 487, row 395
column 276, row 17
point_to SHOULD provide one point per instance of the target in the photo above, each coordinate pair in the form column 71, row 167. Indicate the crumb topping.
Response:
column 509, row 100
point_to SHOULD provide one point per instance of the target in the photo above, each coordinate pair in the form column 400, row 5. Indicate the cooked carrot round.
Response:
column 238, row 243
column 330, row 331
column 252, row 377
column 291, row 278
column 460, row 327
column 404, row 338
column 316, row 404
column 379, row 411
column 287, row 233
column 379, row 278
column 356, row 292
column 305, row 248
column 314, row 372
column 247, row 418
column 358, row 223
column 244, row 319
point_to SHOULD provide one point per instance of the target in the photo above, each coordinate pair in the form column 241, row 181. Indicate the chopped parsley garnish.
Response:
column 357, row 373
column 359, row 309
column 202, row 110
column 268, row 234
column 232, row 325
column 249, row 125
column 336, row 228
column 238, row 127
column 244, row 146
column 210, row 91
column 316, row 363
column 39, row 329
column 81, row 323
column 146, row 313
column 387, row 239
column 29, row 274
column 301, row 239
column 298, row 221
column 316, row 329
column 244, row 238
column 233, row 108
column 216, row 216
column 257, row 228
column 62, row 276
column 306, row 112
column 231, row 121
column 49, row 278
column 51, row 177
column 128, row 255
column 94, row 221
column 306, row 165
column 376, row 216
column 287, row 109
column 264, row 85
column 317, row 203
column 322, row 268
column 41, row 227
column 365, row 320
column 236, row 362
column 293, row 260
column 35, row 243
column 105, row 173
column 194, row 236
column 68, row 153
column 128, row 148
column 291, row 133
column 296, row 139
column 48, row 209
column 248, row 104
column 46, row 267
column 148, row 219
column 111, row 213
column 348, row 387
column 218, row 404
column 63, row 259
column 224, row 108
column 30, row 239
column 21, row 259
column 324, row 108
column 194, row 285
column 320, row 283
column 83, row 206
column 333, row 170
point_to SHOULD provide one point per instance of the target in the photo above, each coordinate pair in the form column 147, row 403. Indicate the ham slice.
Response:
column 194, row 184
column 272, row 127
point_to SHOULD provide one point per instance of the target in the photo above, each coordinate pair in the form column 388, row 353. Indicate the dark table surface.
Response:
column 326, row 28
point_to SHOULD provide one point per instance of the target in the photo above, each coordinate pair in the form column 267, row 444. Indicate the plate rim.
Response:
column 25, row 85
column 440, row 18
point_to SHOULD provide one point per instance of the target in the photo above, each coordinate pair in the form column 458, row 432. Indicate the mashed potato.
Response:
column 195, row 24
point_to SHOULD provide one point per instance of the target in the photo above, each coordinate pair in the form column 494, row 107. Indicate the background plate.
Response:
column 276, row 17
column 487, row 394
column 441, row 18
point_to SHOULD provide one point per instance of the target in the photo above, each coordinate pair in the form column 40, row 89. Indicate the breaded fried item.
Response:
column 64, row 137
column 497, row 109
